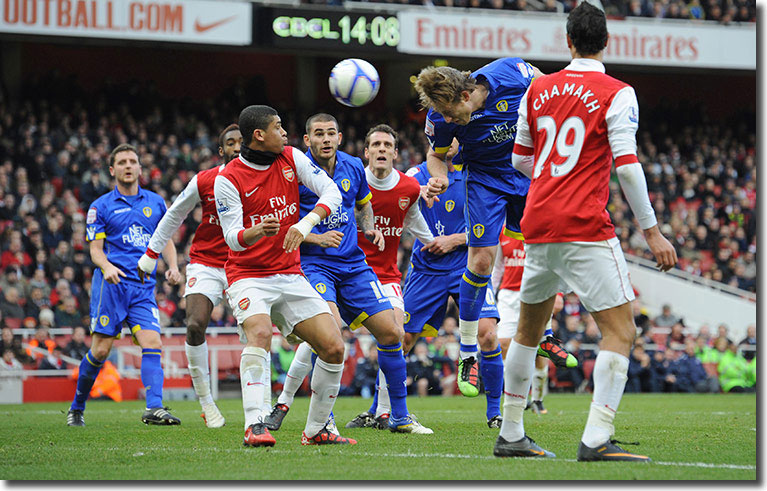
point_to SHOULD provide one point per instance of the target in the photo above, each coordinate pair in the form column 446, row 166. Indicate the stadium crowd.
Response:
column 55, row 140
column 722, row 11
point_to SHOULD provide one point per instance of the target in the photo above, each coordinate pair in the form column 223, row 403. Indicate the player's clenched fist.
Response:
column 331, row 238
column 437, row 185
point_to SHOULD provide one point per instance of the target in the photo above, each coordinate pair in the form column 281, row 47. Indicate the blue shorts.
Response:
column 123, row 303
column 487, row 208
column 426, row 297
column 354, row 289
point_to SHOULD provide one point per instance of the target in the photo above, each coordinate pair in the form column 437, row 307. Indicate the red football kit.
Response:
column 247, row 193
column 577, row 120
column 391, row 204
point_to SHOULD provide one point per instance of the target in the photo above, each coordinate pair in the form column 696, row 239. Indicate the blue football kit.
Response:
column 432, row 278
column 495, row 190
column 340, row 275
column 126, row 224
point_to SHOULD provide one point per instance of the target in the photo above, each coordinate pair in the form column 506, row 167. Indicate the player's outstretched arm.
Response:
column 174, row 217
column 111, row 272
column 416, row 224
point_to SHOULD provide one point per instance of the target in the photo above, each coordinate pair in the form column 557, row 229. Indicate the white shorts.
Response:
column 508, row 310
column 595, row 271
column 393, row 292
column 205, row 280
column 287, row 298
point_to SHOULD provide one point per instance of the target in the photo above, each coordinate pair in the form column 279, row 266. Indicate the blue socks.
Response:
column 374, row 406
column 471, row 298
column 89, row 370
column 393, row 366
column 491, row 368
column 152, row 377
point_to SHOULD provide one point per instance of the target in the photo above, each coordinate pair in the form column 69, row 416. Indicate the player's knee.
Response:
column 195, row 331
column 487, row 338
column 481, row 262
column 100, row 352
column 332, row 351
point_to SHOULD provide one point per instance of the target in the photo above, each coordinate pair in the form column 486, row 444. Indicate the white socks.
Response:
column 254, row 365
column 468, row 330
column 326, row 381
column 517, row 371
column 540, row 377
column 610, row 377
column 299, row 368
column 384, row 404
column 197, row 361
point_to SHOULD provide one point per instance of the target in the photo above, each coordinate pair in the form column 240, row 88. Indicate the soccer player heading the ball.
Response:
column 572, row 124
column 480, row 110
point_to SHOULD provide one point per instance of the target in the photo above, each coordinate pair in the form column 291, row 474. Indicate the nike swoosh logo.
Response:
column 254, row 383
column 207, row 27
column 247, row 195
column 211, row 199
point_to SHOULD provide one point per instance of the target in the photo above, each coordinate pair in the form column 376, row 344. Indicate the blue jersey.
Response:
column 126, row 224
column 349, row 176
column 446, row 217
column 487, row 141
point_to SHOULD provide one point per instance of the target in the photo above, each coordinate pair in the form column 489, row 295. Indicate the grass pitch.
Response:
column 705, row 437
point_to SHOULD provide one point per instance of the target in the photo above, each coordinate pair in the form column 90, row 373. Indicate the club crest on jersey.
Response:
column 321, row 287
column 479, row 230
column 502, row 106
column 104, row 320
column 147, row 211
column 288, row 173
column 449, row 205
column 244, row 303
column 346, row 184
column 404, row 202
column 191, row 282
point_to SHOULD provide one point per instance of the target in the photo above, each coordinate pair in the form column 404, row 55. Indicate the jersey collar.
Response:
column 586, row 65
column 117, row 196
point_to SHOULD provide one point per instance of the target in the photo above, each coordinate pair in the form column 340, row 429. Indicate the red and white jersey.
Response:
column 395, row 206
column 208, row 246
column 513, row 252
column 574, row 122
column 246, row 193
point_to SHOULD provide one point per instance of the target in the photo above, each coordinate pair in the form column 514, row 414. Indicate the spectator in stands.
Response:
column 750, row 342
column 690, row 374
column 734, row 371
column 76, row 347
column 676, row 339
column 15, row 255
column 53, row 361
column 11, row 308
column 724, row 332
column 641, row 377
column 423, row 377
column 281, row 360
column 661, row 366
column 9, row 361
column 46, row 318
column 366, row 372
column 572, row 329
column 43, row 341
column 666, row 318
column 66, row 314
column 641, row 319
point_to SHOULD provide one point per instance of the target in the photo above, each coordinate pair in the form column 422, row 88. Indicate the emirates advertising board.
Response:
column 185, row 21
column 542, row 37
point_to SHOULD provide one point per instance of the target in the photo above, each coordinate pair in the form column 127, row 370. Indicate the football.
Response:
column 354, row 82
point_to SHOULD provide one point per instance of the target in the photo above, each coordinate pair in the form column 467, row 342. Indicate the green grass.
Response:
column 688, row 437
